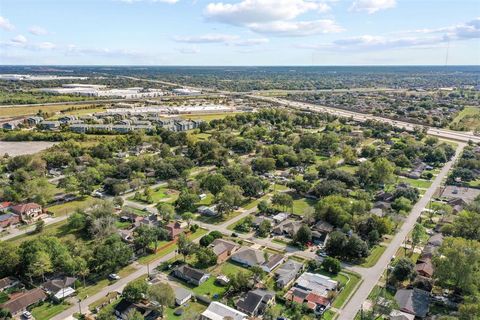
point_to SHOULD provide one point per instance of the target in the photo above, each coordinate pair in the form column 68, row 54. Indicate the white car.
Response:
column 27, row 315
column 114, row 276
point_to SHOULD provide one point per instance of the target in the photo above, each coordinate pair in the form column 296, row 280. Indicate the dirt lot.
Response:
column 18, row 148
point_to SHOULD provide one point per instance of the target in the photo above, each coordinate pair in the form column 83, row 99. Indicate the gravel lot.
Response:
column 16, row 148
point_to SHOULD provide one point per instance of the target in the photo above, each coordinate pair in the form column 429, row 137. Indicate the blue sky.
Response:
column 240, row 32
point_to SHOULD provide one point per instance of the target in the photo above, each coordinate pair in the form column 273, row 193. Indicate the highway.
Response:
column 441, row 133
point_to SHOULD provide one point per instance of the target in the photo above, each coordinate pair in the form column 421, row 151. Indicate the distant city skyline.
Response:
column 239, row 32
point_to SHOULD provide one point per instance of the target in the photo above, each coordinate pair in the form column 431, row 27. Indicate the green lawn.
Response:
column 152, row 257
column 208, row 200
column 90, row 290
column 352, row 281
column 70, row 207
column 190, row 310
column 254, row 203
column 373, row 257
column 235, row 224
column 59, row 229
column 300, row 205
column 159, row 194
column 416, row 183
column 48, row 310
column 467, row 120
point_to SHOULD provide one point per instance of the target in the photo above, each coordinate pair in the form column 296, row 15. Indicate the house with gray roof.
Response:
column 413, row 301
column 256, row 302
column 287, row 273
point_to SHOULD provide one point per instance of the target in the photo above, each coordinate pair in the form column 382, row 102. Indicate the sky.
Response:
column 240, row 32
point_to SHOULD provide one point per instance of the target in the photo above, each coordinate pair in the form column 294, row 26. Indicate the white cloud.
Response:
column 372, row 6
column 297, row 28
column 250, row 42
column 227, row 39
column 5, row 24
column 46, row 45
column 20, row 39
column 261, row 11
column 406, row 39
column 207, row 38
column 38, row 31
column 188, row 50
column 163, row 1
column 274, row 17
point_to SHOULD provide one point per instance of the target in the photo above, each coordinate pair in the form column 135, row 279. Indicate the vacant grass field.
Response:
column 25, row 111
column 424, row 184
column 467, row 120
column 353, row 280
column 70, row 207
column 301, row 205
column 208, row 117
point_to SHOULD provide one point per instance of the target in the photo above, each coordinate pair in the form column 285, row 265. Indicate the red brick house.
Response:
column 223, row 249
column 28, row 212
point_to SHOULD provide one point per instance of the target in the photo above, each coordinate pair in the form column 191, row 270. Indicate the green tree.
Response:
column 403, row 270
column 186, row 201
column 162, row 294
column 135, row 291
column 303, row 235
column 214, row 183
column 166, row 211
column 418, row 233
column 458, row 263
column 264, row 228
column 110, row 255
column 229, row 199
column 9, row 259
column 186, row 247
column 145, row 235
column 331, row 265
column 187, row 216
column 283, row 199
column 40, row 265
column 39, row 226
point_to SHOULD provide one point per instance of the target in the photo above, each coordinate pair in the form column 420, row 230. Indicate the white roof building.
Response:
column 316, row 283
column 219, row 311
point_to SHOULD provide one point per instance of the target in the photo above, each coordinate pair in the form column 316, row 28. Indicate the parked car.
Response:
column 113, row 276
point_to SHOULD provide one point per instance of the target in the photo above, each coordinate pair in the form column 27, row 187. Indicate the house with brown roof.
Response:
column 223, row 249
column 425, row 268
column 21, row 301
column 174, row 229
column 28, row 212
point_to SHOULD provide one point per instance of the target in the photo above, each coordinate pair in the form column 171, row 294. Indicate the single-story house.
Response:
column 317, row 283
column 191, row 275
column 249, row 257
column 255, row 302
column 287, row 228
column 223, row 249
column 279, row 217
column 287, row 273
column 59, row 289
column 19, row 302
column 219, row 311
column 9, row 219
column 274, row 260
column 181, row 295
column 466, row 194
column 259, row 219
column 8, row 282
column 210, row 211
column 436, row 240
column 174, row 229
column 413, row 301
column 425, row 268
